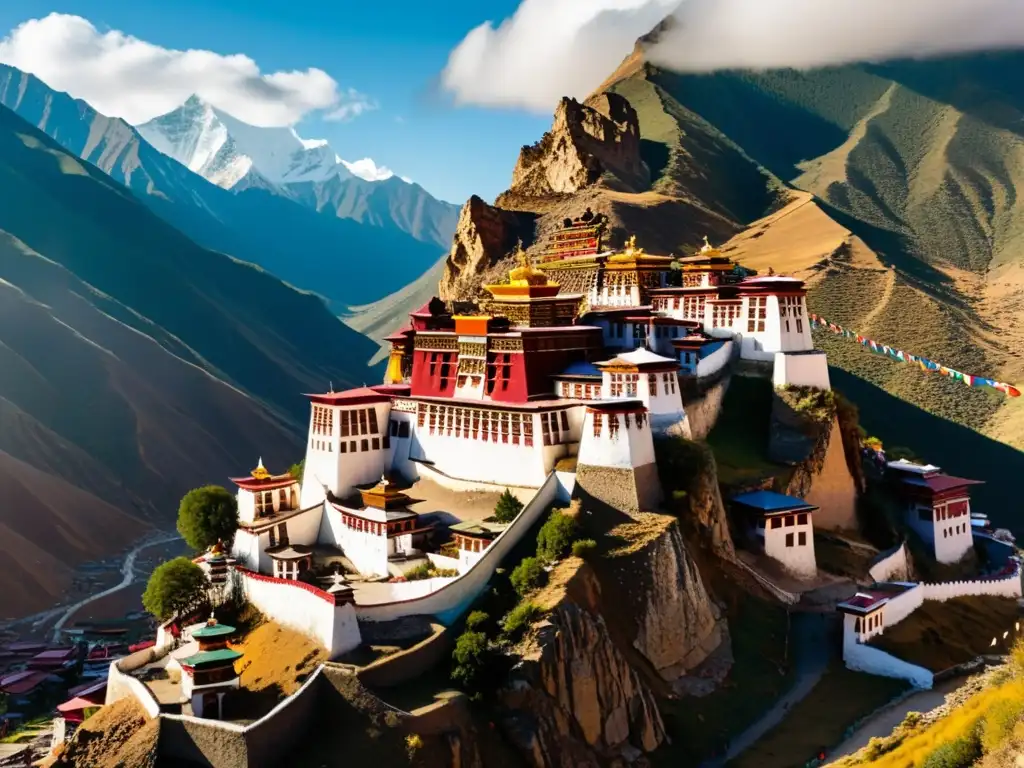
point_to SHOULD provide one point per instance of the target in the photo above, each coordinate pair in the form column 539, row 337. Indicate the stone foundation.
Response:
column 629, row 491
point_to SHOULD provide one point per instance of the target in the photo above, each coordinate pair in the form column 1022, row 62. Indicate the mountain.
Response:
column 134, row 364
column 236, row 155
column 254, row 222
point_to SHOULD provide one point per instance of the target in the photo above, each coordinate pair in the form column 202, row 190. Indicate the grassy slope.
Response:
column 134, row 364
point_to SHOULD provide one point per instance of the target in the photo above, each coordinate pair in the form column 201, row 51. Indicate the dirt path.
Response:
column 883, row 302
column 813, row 652
column 128, row 574
column 883, row 723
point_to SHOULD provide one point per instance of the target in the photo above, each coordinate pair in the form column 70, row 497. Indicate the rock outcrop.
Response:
column 586, row 142
column 575, row 700
column 484, row 236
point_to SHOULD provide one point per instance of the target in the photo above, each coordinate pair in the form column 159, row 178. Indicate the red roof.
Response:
column 357, row 396
column 863, row 602
column 400, row 334
column 92, row 695
column 266, row 484
column 23, row 682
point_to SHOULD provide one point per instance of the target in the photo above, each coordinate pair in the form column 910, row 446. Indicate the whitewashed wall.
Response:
column 797, row 559
column 901, row 606
column 476, row 460
column 304, row 609
column 566, row 485
column 523, row 493
column 367, row 551
column 121, row 685
column 865, row 658
column 631, row 447
column 400, row 591
column 806, row 369
column 716, row 361
column 454, row 598
column 895, row 565
column 440, row 561
column 1008, row 587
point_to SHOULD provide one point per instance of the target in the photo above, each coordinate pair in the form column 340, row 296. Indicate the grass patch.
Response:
column 820, row 721
column 938, row 636
column 701, row 727
column 741, row 435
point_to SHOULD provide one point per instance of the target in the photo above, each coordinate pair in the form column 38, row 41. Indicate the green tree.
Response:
column 476, row 620
column 507, row 508
column 528, row 576
column 470, row 656
column 296, row 470
column 175, row 587
column 556, row 536
column 207, row 515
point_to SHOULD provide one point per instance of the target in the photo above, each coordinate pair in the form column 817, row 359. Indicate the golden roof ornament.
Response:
column 525, row 273
column 709, row 249
column 260, row 473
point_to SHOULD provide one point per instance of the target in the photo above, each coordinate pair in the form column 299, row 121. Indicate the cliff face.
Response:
column 586, row 141
column 484, row 236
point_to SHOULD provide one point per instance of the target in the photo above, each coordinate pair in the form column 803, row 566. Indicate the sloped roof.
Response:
column 770, row 502
column 641, row 356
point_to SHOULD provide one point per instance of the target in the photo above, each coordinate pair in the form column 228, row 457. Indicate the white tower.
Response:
column 348, row 444
column 616, row 464
column 654, row 380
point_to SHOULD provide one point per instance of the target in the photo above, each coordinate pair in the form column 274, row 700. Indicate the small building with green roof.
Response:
column 209, row 674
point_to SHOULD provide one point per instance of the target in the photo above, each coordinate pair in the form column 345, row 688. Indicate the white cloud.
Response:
column 355, row 104
column 369, row 170
column 547, row 50
column 554, row 48
column 761, row 34
column 123, row 76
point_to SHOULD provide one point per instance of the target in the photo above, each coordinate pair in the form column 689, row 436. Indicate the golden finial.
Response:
column 631, row 251
column 525, row 273
column 708, row 247
column 260, row 473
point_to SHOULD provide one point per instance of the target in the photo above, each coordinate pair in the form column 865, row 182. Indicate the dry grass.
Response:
column 276, row 663
column 938, row 636
column 633, row 536
column 118, row 736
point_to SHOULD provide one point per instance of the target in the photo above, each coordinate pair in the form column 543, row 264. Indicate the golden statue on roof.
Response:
column 260, row 473
column 708, row 249
column 525, row 273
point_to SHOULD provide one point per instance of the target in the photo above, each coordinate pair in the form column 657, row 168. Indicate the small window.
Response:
column 376, row 443
column 403, row 429
column 802, row 539
column 365, row 445
column 273, row 538
column 790, row 521
column 789, row 539
column 343, row 448
column 776, row 522
column 801, row 519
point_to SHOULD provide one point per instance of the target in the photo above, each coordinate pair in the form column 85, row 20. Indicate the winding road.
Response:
column 811, row 653
column 128, row 573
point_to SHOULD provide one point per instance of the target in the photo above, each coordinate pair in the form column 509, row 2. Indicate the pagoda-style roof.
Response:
column 384, row 495
column 261, row 480
column 479, row 529
column 357, row 396
column 288, row 552
column 221, row 656
column 214, row 630
column 640, row 360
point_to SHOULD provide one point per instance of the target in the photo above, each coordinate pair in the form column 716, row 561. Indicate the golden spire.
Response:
column 709, row 249
column 525, row 273
column 260, row 473
column 630, row 252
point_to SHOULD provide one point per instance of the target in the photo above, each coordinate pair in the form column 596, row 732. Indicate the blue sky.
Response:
column 393, row 52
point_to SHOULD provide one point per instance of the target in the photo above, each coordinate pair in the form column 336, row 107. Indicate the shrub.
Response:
column 959, row 753
column 207, row 515
column 476, row 620
column 445, row 572
column 556, row 536
column 296, row 470
column 528, row 576
column 999, row 722
column 584, row 548
column 1017, row 658
column 177, row 586
column 507, row 508
column 470, row 656
column 520, row 617
column 420, row 572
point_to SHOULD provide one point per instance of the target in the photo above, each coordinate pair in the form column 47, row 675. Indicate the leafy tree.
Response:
column 476, row 620
column 520, row 617
column 556, row 536
column 471, row 657
column 175, row 587
column 296, row 470
column 207, row 515
column 528, row 576
column 507, row 508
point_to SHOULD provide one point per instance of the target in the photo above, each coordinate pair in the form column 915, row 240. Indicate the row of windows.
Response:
column 579, row 391
column 623, row 384
column 551, row 429
column 361, row 422
column 286, row 497
column 281, row 533
column 353, row 446
column 725, row 315
column 789, row 520
column 323, row 420
column 801, row 539
column 868, row 623
column 952, row 511
column 954, row 530
column 612, row 420
column 492, row 426
column 757, row 312
column 378, row 529
column 399, row 428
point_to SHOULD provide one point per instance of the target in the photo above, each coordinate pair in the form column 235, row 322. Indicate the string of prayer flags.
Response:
column 922, row 362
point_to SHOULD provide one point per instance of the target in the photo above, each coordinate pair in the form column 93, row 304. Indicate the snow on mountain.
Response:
column 225, row 150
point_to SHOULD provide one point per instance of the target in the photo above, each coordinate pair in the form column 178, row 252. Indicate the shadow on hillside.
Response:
column 957, row 449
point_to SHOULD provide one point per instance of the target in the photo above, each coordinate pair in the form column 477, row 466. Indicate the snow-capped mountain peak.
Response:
column 225, row 150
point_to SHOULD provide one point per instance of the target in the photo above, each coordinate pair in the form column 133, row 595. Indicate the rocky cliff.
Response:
column 599, row 138
column 620, row 630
